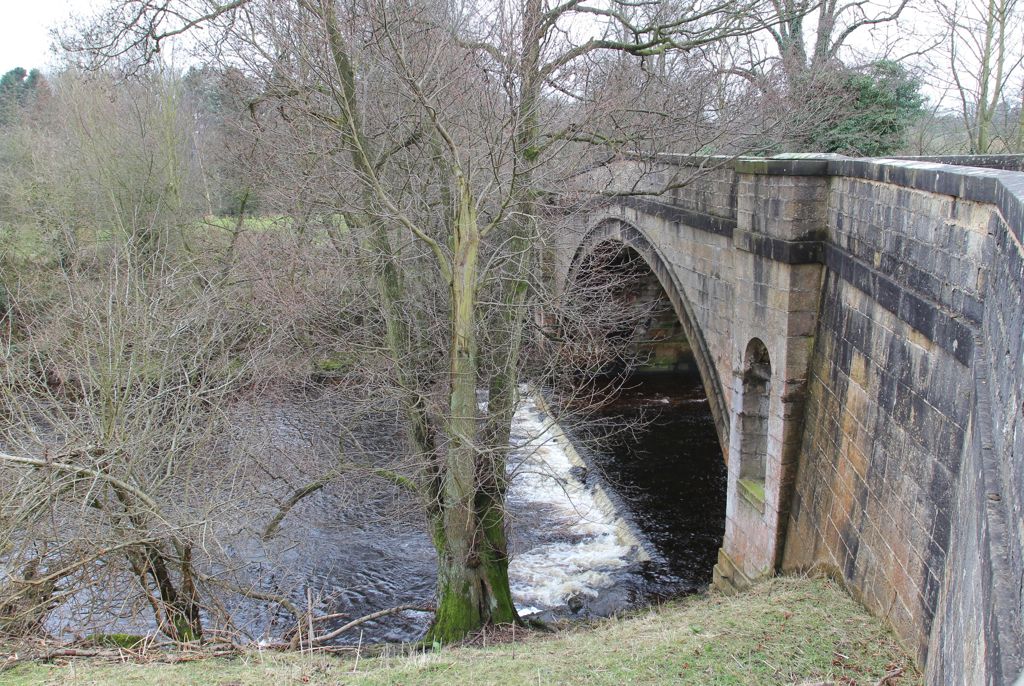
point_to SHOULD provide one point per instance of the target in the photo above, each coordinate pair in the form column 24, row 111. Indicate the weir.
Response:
column 666, row 459
column 859, row 328
column 595, row 542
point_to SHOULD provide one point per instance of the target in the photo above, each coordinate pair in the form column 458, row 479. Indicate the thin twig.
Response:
column 887, row 679
column 316, row 640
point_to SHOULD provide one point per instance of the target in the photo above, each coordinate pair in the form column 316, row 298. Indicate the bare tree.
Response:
column 433, row 134
column 135, row 336
column 811, row 35
column 813, row 60
column 985, row 66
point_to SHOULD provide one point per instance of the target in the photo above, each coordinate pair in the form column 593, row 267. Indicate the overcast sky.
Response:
column 24, row 30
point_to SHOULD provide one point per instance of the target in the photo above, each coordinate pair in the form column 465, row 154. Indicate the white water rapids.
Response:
column 585, row 540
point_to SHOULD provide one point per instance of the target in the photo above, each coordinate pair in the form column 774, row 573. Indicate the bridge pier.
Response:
column 777, row 279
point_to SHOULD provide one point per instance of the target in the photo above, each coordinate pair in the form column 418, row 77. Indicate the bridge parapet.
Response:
column 888, row 296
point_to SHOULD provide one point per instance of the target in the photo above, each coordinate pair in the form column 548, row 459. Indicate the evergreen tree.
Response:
column 18, row 90
column 882, row 102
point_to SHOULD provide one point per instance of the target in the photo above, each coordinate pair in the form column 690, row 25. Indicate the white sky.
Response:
column 24, row 30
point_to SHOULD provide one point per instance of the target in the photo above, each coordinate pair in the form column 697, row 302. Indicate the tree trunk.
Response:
column 1019, row 147
column 180, row 610
column 988, row 94
column 468, row 521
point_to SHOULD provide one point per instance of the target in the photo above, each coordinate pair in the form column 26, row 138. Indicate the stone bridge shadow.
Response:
column 617, row 231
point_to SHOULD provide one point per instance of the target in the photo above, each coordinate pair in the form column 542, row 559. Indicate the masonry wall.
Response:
column 897, row 381
column 879, row 461
column 711, row 192
column 1004, row 162
column 778, row 288
column 907, row 405
column 1002, row 461
column 979, row 629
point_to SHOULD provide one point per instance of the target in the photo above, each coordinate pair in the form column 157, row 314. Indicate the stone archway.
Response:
column 628, row 235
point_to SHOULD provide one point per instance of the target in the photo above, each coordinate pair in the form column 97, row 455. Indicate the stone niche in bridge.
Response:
column 859, row 329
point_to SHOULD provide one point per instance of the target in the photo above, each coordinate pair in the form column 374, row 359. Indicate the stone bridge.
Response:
column 859, row 328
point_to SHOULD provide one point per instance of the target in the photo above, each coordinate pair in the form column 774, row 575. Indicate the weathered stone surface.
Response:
column 889, row 299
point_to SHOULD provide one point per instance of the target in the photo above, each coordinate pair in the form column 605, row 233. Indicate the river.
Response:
column 594, row 531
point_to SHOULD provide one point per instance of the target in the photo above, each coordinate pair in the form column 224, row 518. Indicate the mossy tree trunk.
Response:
column 468, row 515
column 464, row 486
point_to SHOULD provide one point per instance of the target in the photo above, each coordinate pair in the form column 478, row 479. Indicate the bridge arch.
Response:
column 886, row 292
column 622, row 232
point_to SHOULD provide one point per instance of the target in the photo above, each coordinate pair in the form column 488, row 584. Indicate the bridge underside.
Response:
column 859, row 328
column 619, row 232
column 650, row 332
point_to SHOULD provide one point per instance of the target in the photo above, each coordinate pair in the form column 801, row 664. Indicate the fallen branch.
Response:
column 119, row 654
column 10, row 662
column 323, row 638
column 194, row 656
column 887, row 679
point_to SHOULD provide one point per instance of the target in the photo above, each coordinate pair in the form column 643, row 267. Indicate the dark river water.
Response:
column 669, row 476
column 597, row 526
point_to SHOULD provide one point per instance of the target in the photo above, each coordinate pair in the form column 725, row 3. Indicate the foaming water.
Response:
column 589, row 542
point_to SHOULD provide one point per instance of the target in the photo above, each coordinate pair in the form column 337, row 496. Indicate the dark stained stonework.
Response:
column 889, row 295
column 723, row 226
column 1004, row 162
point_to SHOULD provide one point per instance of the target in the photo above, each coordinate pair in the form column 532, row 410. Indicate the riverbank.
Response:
column 785, row 631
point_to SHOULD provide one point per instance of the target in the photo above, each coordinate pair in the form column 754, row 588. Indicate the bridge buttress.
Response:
column 777, row 278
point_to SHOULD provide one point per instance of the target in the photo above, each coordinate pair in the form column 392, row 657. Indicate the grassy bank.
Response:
column 787, row 631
